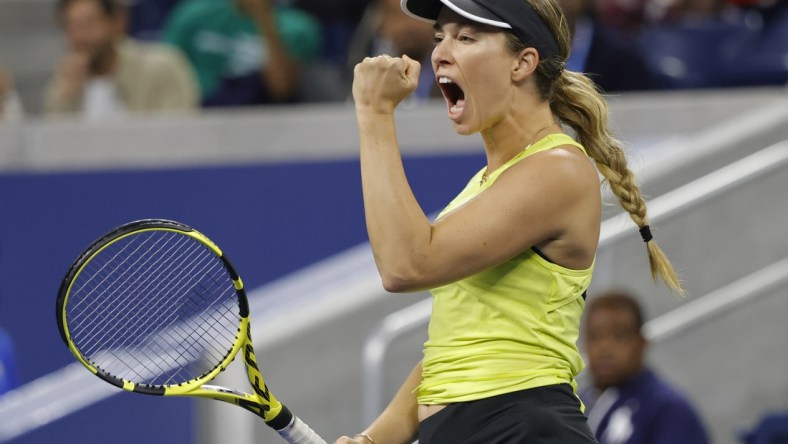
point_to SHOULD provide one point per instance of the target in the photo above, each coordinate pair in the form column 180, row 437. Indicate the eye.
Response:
column 437, row 38
column 464, row 37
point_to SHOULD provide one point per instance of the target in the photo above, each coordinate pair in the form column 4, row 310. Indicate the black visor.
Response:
column 517, row 15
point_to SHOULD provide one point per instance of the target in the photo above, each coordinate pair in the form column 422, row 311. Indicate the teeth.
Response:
column 444, row 80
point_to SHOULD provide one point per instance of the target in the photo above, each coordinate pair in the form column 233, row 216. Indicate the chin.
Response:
column 464, row 129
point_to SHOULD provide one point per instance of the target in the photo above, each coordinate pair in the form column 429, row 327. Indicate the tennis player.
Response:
column 508, row 261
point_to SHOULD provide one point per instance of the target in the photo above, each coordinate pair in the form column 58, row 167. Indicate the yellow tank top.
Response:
column 511, row 327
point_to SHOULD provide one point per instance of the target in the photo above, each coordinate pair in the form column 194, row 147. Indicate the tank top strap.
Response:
column 546, row 143
column 552, row 141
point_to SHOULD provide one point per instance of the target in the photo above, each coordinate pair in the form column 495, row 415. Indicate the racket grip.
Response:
column 297, row 432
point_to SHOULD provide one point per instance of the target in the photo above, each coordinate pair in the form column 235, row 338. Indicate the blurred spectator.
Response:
column 147, row 17
column 244, row 52
column 339, row 19
column 626, row 16
column 628, row 403
column 8, row 374
column 10, row 106
column 386, row 29
column 334, row 10
column 610, row 57
column 106, row 75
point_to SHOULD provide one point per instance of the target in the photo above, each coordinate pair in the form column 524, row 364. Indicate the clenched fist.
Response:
column 381, row 83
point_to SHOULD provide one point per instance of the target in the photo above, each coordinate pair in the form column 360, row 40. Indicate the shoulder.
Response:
column 664, row 413
column 153, row 56
column 296, row 17
column 298, row 27
column 675, row 416
column 197, row 8
column 191, row 16
column 564, row 165
column 560, row 184
column 667, row 398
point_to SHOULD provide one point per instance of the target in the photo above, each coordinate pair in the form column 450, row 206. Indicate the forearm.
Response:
column 398, row 229
column 399, row 422
column 281, row 72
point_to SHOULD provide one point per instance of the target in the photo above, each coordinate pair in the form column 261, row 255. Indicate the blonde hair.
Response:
column 576, row 102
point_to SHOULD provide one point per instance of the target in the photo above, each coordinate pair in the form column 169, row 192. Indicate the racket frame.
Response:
column 262, row 402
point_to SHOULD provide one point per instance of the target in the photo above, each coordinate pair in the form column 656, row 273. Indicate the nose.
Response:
column 441, row 55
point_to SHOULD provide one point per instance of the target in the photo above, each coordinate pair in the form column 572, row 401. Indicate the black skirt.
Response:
column 542, row 415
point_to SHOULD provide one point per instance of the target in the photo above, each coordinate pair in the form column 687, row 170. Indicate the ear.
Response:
column 525, row 64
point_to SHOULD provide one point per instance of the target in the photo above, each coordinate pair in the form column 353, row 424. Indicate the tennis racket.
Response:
column 154, row 307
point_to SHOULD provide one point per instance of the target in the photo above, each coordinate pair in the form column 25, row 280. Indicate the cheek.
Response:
column 85, row 34
column 490, row 80
column 483, row 89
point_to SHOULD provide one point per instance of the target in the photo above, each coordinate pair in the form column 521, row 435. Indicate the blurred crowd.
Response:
column 180, row 55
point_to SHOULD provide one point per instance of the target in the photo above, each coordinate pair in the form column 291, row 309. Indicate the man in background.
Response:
column 105, row 74
column 628, row 403
column 244, row 52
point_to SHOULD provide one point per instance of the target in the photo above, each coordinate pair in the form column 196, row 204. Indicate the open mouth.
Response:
column 454, row 95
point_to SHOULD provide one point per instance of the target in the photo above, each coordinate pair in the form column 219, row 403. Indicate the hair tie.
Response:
column 645, row 233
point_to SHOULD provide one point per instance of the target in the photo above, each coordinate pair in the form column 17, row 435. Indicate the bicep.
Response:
column 528, row 204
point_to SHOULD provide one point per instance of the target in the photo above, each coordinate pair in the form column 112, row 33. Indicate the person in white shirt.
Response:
column 105, row 74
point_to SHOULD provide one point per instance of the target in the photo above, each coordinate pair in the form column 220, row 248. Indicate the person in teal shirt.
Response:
column 244, row 52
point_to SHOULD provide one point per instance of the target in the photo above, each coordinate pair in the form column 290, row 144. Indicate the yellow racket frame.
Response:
column 262, row 402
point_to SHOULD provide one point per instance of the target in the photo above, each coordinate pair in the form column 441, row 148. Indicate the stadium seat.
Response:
column 695, row 53
column 765, row 62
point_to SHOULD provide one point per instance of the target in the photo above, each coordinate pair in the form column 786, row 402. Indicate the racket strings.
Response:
column 188, row 349
column 155, row 307
column 98, row 299
column 106, row 303
column 116, row 309
column 138, row 321
column 165, row 348
column 164, row 343
column 91, row 298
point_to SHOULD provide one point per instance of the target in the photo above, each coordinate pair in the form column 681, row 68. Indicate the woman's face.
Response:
column 473, row 68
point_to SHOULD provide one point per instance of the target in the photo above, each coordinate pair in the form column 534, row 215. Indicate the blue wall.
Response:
column 270, row 220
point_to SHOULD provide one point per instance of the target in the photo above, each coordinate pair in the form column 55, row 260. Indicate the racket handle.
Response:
column 297, row 432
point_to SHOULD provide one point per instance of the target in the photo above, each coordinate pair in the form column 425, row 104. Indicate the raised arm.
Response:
column 534, row 202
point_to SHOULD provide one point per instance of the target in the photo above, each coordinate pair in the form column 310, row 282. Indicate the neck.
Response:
column 516, row 132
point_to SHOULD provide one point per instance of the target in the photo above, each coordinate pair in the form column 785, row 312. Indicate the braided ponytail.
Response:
column 576, row 102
